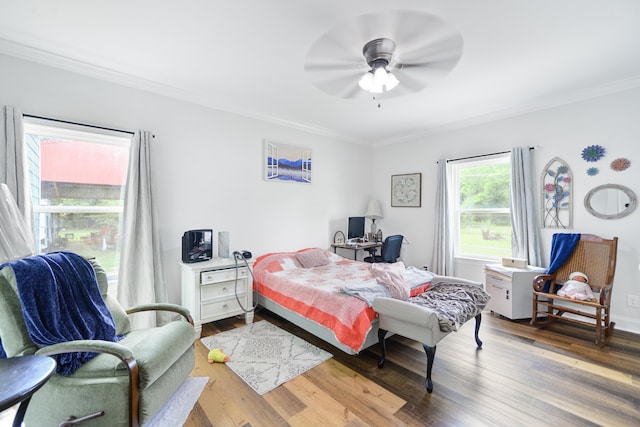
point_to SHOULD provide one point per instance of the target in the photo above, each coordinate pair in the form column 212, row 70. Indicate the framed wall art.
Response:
column 287, row 163
column 557, row 206
column 406, row 190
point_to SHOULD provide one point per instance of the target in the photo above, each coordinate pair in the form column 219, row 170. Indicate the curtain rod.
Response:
column 31, row 116
column 483, row 155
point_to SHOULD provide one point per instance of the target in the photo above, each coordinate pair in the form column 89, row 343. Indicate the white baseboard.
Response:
column 625, row 323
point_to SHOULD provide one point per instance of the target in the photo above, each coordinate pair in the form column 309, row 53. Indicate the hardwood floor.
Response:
column 522, row 376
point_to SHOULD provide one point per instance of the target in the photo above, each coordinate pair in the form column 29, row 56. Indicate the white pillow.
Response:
column 312, row 258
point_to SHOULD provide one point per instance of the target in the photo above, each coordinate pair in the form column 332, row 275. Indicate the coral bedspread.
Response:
column 315, row 292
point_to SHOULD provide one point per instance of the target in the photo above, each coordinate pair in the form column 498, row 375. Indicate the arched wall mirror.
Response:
column 610, row 201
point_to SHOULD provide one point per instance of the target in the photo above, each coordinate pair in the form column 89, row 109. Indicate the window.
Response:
column 482, row 221
column 77, row 182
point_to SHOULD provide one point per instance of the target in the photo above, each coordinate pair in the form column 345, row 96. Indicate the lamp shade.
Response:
column 374, row 211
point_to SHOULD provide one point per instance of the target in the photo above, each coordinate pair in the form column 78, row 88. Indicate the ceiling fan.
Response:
column 391, row 54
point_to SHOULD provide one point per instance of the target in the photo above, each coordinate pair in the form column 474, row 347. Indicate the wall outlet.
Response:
column 633, row 300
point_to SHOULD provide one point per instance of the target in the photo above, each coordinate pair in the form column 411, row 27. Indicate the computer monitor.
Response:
column 356, row 227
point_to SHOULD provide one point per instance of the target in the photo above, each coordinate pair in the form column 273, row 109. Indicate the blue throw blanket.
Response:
column 61, row 302
column 562, row 246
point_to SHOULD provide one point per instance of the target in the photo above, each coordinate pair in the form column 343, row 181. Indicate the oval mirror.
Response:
column 610, row 201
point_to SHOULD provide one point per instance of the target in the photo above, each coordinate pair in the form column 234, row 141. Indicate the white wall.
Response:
column 610, row 121
column 207, row 164
column 208, row 170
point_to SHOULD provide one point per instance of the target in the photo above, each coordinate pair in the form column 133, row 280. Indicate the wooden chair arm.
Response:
column 540, row 280
column 605, row 295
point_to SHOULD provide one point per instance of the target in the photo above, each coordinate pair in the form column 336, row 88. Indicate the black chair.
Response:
column 390, row 250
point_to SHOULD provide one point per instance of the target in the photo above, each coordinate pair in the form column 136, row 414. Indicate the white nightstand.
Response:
column 510, row 289
column 209, row 290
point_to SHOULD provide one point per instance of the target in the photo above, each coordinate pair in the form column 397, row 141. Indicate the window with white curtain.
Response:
column 482, row 222
column 77, row 177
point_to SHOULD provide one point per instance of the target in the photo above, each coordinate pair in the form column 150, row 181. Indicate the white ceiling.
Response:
column 248, row 56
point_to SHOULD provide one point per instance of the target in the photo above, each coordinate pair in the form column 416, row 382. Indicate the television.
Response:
column 356, row 227
column 197, row 245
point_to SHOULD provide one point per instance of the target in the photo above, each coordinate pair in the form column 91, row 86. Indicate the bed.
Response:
column 326, row 294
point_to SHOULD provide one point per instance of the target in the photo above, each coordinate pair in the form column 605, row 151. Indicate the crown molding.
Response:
column 518, row 110
column 40, row 56
column 29, row 53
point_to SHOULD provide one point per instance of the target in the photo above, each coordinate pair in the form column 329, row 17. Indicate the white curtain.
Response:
column 16, row 239
column 140, row 279
column 442, row 258
column 13, row 160
column 526, row 241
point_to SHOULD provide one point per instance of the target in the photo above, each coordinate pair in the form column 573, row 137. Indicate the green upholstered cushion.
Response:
column 123, row 324
column 62, row 396
column 155, row 350
column 13, row 330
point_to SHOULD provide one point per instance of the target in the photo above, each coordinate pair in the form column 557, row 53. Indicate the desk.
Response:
column 371, row 247
column 20, row 378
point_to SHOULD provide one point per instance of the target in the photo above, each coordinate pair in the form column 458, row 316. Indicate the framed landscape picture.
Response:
column 406, row 190
column 287, row 163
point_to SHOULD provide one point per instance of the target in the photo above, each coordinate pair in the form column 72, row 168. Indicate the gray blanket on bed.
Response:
column 454, row 300
column 370, row 290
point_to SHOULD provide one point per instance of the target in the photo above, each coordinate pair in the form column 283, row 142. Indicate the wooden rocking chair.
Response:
column 595, row 257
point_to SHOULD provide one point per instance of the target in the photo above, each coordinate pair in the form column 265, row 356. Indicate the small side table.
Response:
column 20, row 378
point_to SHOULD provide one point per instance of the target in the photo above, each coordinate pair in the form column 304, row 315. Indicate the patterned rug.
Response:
column 265, row 356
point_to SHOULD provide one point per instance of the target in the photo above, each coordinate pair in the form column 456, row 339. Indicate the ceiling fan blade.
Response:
column 423, row 29
column 353, row 92
column 346, row 65
column 431, row 61
column 341, row 86
column 409, row 83
column 442, row 49
column 427, row 48
column 420, row 76
column 435, row 69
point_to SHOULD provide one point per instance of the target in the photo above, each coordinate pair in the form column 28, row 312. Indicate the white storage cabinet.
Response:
column 209, row 290
column 510, row 289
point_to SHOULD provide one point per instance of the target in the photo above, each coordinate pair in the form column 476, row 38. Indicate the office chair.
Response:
column 390, row 251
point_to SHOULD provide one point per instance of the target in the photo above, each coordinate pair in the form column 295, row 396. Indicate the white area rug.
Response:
column 265, row 356
column 177, row 409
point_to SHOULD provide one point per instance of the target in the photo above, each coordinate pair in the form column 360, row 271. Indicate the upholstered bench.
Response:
column 429, row 317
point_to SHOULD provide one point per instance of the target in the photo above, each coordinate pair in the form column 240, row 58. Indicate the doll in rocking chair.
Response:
column 577, row 287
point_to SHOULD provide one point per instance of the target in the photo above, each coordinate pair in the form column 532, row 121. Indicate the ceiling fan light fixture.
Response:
column 377, row 80
column 391, row 81
column 379, row 76
column 366, row 82
column 376, row 88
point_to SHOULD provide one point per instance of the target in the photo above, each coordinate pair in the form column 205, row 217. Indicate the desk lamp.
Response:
column 374, row 211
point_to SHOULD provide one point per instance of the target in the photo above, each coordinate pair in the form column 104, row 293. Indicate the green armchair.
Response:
column 129, row 380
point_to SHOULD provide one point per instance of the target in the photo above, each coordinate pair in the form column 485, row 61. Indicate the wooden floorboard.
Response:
column 522, row 376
